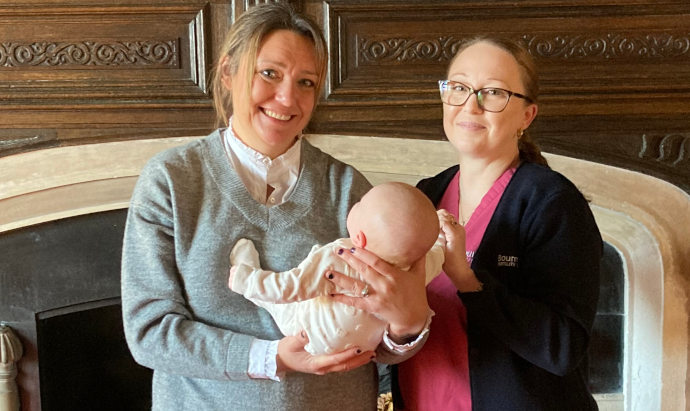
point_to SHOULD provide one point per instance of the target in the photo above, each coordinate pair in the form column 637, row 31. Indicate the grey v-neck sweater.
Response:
column 188, row 209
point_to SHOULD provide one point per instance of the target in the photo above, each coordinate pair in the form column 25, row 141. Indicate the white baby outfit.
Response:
column 298, row 299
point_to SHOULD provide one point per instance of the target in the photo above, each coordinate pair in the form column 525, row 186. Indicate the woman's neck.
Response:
column 479, row 169
column 477, row 176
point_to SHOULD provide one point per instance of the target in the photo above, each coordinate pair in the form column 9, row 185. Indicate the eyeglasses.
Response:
column 491, row 99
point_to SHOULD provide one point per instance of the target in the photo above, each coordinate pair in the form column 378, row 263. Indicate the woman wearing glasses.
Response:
column 514, row 312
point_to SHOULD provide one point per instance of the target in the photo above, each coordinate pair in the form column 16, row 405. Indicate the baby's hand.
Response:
column 446, row 220
column 454, row 234
column 456, row 266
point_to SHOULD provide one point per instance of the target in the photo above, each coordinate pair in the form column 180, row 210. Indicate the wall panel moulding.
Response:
column 93, row 69
column 608, row 72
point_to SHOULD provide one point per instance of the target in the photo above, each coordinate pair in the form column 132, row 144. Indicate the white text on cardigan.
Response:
column 507, row 261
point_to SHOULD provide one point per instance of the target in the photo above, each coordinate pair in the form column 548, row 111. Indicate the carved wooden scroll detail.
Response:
column 606, row 46
column 404, row 50
column 90, row 53
column 609, row 46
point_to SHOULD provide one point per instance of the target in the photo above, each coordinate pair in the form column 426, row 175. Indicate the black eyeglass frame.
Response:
column 443, row 85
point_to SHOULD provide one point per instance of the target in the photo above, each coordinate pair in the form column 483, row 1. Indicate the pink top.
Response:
column 438, row 377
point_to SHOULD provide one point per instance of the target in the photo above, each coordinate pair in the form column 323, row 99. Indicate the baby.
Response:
column 393, row 220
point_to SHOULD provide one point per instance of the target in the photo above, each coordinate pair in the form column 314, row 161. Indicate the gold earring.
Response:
column 520, row 132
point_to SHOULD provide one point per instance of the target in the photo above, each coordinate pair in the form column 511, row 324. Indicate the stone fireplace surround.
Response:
column 644, row 218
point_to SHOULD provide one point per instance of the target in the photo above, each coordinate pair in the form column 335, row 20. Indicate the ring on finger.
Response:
column 365, row 290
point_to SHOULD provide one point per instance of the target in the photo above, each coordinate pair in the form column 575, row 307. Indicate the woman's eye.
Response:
column 494, row 92
column 268, row 73
column 308, row 83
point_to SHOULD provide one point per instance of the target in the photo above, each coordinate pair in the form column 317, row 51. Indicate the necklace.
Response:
column 460, row 213
column 462, row 217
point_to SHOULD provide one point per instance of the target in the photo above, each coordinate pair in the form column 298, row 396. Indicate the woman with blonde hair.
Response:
column 255, row 178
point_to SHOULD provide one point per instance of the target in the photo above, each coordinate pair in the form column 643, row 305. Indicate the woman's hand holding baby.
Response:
column 293, row 357
column 396, row 296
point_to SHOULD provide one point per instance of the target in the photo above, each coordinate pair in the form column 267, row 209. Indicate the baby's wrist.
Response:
column 470, row 284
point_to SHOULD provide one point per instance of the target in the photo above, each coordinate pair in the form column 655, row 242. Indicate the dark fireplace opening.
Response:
column 84, row 362
column 607, row 343
column 60, row 293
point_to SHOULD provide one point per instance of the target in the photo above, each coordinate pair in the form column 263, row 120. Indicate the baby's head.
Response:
column 395, row 221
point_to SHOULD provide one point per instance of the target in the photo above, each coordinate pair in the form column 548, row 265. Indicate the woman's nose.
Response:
column 286, row 93
column 472, row 104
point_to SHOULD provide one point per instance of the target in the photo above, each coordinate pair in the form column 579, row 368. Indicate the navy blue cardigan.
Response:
column 528, row 330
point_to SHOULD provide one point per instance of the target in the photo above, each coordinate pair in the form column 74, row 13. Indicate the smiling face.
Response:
column 282, row 97
column 478, row 133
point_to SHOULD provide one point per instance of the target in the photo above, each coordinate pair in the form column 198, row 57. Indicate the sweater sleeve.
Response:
column 546, row 316
column 160, row 328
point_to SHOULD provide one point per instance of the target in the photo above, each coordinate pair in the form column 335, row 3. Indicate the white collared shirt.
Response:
column 257, row 171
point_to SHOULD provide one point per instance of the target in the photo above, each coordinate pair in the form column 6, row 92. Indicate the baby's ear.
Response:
column 360, row 240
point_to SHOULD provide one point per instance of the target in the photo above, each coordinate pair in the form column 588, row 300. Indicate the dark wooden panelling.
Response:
column 392, row 52
column 615, row 77
column 103, row 56
column 74, row 72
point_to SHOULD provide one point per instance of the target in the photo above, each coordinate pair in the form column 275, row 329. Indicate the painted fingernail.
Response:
column 352, row 250
column 340, row 251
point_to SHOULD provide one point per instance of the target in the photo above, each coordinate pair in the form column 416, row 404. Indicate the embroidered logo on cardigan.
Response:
column 507, row 260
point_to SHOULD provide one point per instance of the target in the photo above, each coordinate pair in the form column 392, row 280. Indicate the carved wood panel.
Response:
column 615, row 75
column 74, row 72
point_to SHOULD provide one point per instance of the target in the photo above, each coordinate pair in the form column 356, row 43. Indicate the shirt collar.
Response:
column 257, row 171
